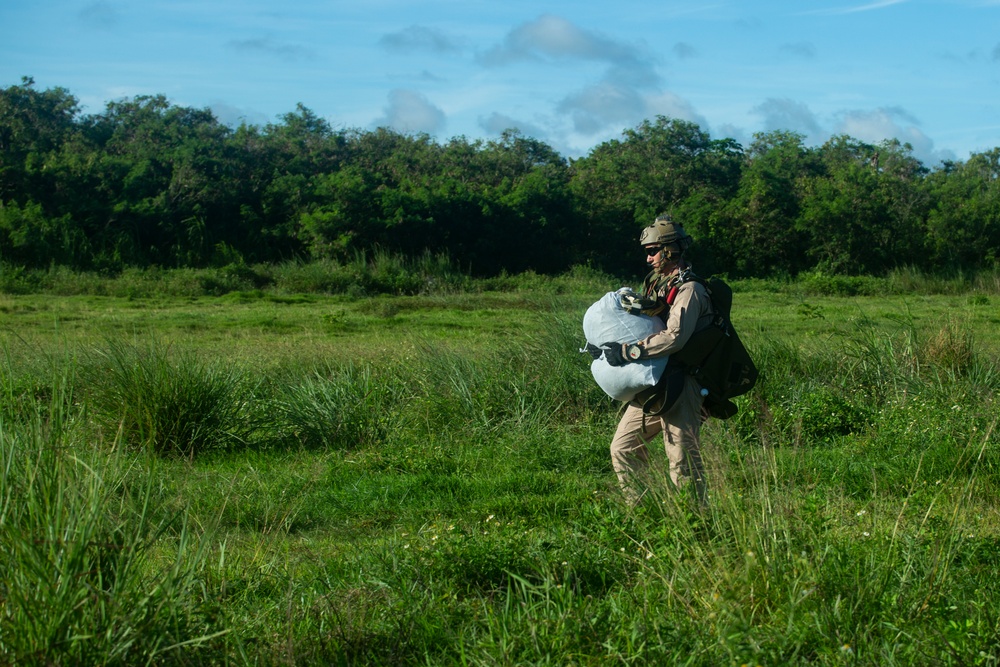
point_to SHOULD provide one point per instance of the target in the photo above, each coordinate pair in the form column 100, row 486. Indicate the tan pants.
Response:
column 680, row 425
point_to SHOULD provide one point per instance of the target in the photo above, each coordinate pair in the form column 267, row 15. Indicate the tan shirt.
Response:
column 691, row 311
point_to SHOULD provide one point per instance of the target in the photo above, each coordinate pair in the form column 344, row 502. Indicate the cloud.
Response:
column 424, row 75
column 419, row 38
column 555, row 39
column 496, row 123
column 268, row 47
column 232, row 116
column 800, row 49
column 606, row 104
column 890, row 123
column 730, row 131
column 684, row 50
column 786, row 114
column 99, row 14
column 623, row 95
column 409, row 111
column 674, row 106
column 602, row 104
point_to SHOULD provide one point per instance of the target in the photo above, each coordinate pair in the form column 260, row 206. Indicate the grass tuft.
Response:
column 171, row 405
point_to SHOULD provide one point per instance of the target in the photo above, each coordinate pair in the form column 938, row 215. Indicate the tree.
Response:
column 623, row 184
column 33, row 126
column 762, row 238
column 963, row 228
column 860, row 216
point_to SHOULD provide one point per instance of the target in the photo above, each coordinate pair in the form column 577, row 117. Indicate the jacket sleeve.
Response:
column 690, row 312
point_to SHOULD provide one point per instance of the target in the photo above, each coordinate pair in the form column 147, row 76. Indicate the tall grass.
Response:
column 337, row 408
column 458, row 507
column 93, row 573
column 382, row 272
column 172, row 404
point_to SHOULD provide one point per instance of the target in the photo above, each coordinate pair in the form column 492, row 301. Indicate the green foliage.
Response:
column 145, row 183
column 451, row 501
column 170, row 405
column 94, row 574
column 345, row 408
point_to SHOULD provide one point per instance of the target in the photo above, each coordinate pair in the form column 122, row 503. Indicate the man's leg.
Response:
column 629, row 455
column 682, row 439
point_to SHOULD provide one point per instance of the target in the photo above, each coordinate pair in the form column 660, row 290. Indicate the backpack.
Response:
column 714, row 356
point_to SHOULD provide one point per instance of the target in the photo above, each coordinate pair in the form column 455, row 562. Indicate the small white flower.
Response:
column 865, row 533
column 862, row 512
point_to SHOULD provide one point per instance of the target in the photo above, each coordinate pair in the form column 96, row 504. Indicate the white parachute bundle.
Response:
column 608, row 322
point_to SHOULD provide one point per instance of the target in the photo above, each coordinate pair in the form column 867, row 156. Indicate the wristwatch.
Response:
column 633, row 352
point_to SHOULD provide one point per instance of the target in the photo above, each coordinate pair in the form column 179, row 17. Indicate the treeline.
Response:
column 148, row 183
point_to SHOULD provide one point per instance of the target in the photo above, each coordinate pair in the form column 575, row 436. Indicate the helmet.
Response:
column 664, row 231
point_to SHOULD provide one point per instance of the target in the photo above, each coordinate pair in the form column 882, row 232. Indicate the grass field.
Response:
column 271, row 478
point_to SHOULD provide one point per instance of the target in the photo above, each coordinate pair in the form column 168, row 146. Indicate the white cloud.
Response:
column 268, row 47
column 674, row 106
column 800, row 49
column 554, row 38
column 99, row 14
column 683, row 50
column 602, row 104
column 622, row 96
column 409, row 111
column 234, row 116
column 605, row 105
column 419, row 38
column 730, row 131
column 890, row 123
column 786, row 114
column 496, row 123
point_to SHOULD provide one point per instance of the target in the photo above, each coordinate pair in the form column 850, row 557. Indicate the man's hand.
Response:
column 619, row 354
column 614, row 354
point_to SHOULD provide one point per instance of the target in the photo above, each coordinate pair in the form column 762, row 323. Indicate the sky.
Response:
column 572, row 74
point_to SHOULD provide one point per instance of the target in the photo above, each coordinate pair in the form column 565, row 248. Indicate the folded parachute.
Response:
column 608, row 322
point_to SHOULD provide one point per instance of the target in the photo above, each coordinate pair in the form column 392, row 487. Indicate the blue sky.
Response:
column 572, row 74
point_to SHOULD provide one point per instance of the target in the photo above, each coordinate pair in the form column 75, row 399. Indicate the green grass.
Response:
column 313, row 479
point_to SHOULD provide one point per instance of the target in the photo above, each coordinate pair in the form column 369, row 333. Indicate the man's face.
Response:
column 663, row 259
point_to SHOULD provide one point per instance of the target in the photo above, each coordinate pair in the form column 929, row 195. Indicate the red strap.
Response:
column 671, row 295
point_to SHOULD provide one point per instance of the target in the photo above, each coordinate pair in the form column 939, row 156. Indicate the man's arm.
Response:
column 690, row 312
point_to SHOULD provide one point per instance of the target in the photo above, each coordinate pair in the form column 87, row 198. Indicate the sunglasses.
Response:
column 667, row 253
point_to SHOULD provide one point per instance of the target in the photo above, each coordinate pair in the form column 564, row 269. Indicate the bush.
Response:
column 172, row 406
column 88, row 575
column 345, row 408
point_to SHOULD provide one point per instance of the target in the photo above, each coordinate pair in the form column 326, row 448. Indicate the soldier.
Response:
column 686, row 307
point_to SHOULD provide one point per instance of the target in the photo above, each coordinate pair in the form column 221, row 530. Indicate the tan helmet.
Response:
column 664, row 231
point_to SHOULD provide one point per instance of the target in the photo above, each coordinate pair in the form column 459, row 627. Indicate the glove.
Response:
column 614, row 354
column 593, row 351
